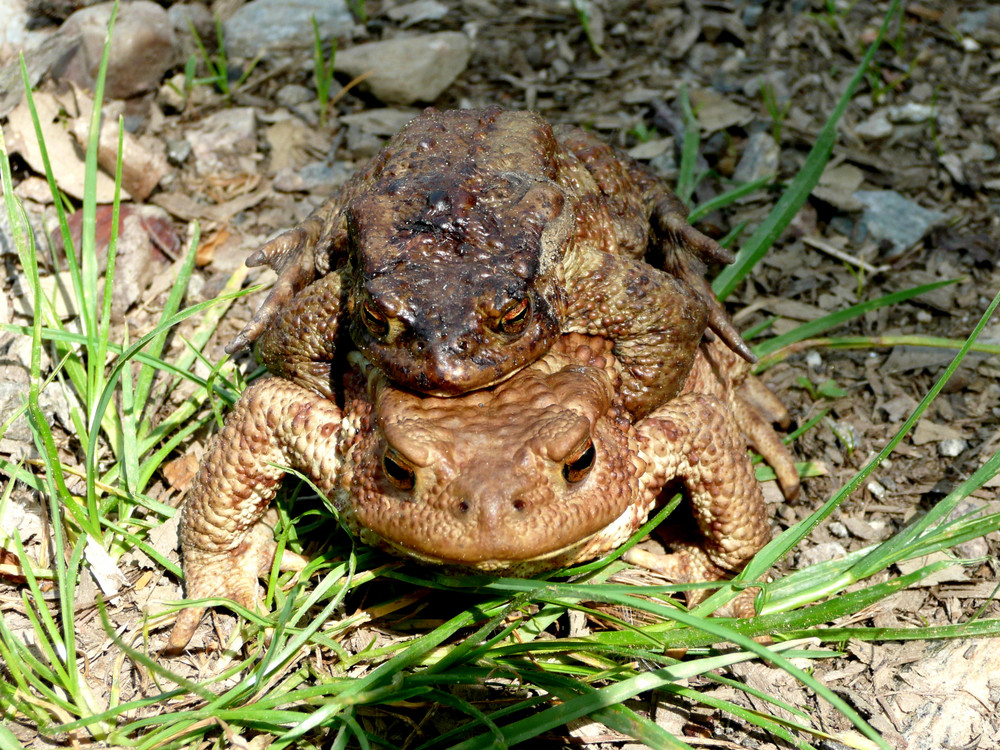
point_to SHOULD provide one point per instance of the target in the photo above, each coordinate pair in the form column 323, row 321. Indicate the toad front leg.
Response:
column 300, row 341
column 225, row 543
column 693, row 439
column 298, row 256
column 655, row 320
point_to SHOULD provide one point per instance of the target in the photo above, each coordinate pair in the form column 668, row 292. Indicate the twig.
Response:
column 839, row 254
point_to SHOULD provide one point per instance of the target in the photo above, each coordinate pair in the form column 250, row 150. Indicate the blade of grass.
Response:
column 825, row 323
column 804, row 181
column 781, row 545
column 689, row 151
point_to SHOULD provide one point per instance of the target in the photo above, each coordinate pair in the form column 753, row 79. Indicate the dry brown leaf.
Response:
column 64, row 155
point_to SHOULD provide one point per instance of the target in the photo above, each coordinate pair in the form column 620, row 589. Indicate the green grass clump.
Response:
column 302, row 686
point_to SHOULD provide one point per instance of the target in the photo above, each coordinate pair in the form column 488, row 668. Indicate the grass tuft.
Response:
column 307, row 685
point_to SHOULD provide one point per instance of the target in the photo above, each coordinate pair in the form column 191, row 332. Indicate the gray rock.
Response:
column 293, row 95
column 318, row 177
column 143, row 47
column 981, row 25
column 408, row 69
column 875, row 127
column 819, row 554
column 911, row 112
column 51, row 54
column 386, row 121
column 838, row 529
column 17, row 440
column 952, row 164
column 7, row 246
column 979, row 151
column 14, row 30
column 944, row 698
column 951, row 447
column 776, row 81
column 751, row 15
column 760, row 158
column 178, row 151
column 225, row 142
column 184, row 17
column 413, row 13
column 890, row 217
column 269, row 26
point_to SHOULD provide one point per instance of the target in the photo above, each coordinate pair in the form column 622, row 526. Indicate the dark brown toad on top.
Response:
column 542, row 470
column 471, row 242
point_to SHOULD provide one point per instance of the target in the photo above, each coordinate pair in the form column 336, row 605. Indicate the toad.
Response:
column 473, row 240
column 540, row 471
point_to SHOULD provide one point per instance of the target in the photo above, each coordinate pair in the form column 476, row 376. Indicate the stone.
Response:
column 889, row 217
column 716, row 112
column 143, row 47
column 318, row 177
column 652, row 148
column 982, row 25
column 953, row 687
column 408, row 69
column 51, row 54
column 759, row 159
column 386, row 121
column 952, row 447
column 184, row 17
column 14, row 31
column 837, row 186
column 7, row 246
column 225, row 142
column 17, row 441
column 294, row 94
column 410, row 14
column 819, row 553
column 875, row 127
column 911, row 112
column 266, row 27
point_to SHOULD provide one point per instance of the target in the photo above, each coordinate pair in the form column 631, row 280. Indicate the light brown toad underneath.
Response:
column 540, row 471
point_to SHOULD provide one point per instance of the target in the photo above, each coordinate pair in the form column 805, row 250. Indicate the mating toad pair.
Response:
column 525, row 385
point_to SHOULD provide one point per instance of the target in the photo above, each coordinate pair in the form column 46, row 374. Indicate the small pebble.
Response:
column 838, row 529
column 952, row 447
column 820, row 554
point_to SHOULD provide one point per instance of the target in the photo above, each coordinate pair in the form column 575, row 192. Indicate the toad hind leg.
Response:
column 693, row 439
column 655, row 320
column 225, row 544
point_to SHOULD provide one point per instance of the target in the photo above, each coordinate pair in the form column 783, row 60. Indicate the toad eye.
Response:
column 399, row 474
column 374, row 321
column 514, row 318
column 579, row 464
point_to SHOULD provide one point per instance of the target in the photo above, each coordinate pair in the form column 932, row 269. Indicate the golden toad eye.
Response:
column 578, row 465
column 399, row 474
column 515, row 316
column 374, row 321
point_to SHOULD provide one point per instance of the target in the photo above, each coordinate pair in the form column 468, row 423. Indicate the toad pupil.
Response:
column 375, row 322
column 577, row 468
column 515, row 317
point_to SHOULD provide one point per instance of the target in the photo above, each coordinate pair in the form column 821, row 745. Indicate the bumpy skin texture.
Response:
column 471, row 242
column 540, row 471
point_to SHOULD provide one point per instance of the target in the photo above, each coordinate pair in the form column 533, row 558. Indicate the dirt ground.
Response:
column 775, row 68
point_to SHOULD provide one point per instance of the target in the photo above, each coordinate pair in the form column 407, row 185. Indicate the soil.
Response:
column 783, row 66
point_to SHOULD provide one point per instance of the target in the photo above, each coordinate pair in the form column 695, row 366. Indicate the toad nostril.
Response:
column 463, row 506
column 519, row 505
